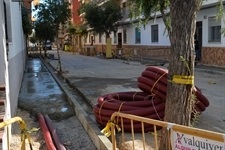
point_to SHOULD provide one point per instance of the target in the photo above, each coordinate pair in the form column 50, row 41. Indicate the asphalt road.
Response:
column 94, row 76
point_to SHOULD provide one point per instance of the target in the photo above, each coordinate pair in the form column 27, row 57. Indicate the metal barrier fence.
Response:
column 180, row 137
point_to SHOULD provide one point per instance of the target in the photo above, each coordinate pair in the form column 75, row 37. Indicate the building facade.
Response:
column 75, row 5
column 152, row 41
column 12, row 60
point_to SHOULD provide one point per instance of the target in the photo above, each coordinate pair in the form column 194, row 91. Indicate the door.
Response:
column 119, row 40
column 198, row 39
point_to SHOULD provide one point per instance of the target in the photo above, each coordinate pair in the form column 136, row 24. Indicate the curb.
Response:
column 100, row 141
column 210, row 71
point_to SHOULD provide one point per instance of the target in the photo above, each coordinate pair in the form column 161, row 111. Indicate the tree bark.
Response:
column 178, row 109
column 59, row 65
column 107, row 34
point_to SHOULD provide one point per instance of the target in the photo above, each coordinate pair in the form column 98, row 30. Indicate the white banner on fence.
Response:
column 181, row 141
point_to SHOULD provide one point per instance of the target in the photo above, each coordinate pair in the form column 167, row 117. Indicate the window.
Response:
column 105, row 39
column 155, row 33
column 214, row 29
column 6, row 29
column 125, row 10
column 85, row 39
column 115, row 37
column 89, row 38
column 7, row 18
column 92, row 39
column 137, row 35
column 124, row 36
column 124, row 5
column 100, row 38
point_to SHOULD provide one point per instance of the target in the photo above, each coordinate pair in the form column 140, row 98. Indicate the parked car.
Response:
column 48, row 45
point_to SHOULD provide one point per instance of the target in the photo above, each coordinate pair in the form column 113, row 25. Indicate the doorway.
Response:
column 198, row 40
column 119, row 40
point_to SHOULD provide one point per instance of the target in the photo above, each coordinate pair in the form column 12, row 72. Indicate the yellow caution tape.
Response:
column 25, row 134
column 107, row 130
column 179, row 79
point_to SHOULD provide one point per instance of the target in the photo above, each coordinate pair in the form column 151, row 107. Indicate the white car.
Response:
column 48, row 45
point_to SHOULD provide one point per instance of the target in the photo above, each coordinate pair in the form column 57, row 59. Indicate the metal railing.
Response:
column 25, row 134
column 180, row 137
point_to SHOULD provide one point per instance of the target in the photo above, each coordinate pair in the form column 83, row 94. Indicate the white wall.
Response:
column 203, row 16
column 163, row 37
column 3, row 65
column 17, row 44
column 2, row 45
column 14, row 62
column 16, row 55
column 146, row 34
column 207, row 2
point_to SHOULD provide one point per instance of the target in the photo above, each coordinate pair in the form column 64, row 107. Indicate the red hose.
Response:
column 153, row 84
column 52, row 130
column 157, row 70
column 140, row 111
column 155, row 76
column 150, row 103
column 132, row 100
column 147, row 89
column 47, row 136
column 154, row 80
column 136, row 103
column 157, row 115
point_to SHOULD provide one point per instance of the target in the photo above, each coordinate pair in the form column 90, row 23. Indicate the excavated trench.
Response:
column 41, row 94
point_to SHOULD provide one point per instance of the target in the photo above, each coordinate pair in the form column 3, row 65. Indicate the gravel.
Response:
column 70, row 132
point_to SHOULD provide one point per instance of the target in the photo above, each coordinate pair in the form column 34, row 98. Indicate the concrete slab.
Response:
column 40, row 93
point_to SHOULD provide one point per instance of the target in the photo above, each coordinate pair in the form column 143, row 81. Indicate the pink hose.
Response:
column 46, row 133
column 52, row 130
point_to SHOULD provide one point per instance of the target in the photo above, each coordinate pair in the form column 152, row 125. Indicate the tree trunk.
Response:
column 179, row 96
column 40, row 47
column 59, row 65
column 108, row 51
column 107, row 34
column 45, row 52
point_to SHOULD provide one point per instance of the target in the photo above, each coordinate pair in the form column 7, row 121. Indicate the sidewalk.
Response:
column 94, row 77
column 210, row 69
